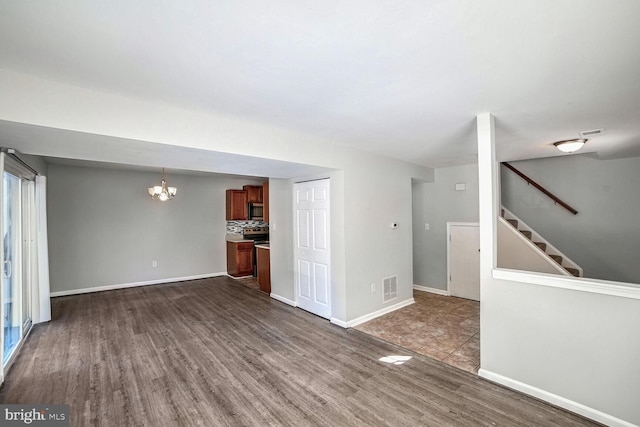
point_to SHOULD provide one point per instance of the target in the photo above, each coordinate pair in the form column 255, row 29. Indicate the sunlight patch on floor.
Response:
column 395, row 360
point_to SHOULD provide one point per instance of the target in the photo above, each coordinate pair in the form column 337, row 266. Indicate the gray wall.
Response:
column 104, row 229
column 604, row 237
column 578, row 345
column 373, row 250
column 437, row 203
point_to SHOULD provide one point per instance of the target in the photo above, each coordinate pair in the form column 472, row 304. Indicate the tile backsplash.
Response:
column 236, row 227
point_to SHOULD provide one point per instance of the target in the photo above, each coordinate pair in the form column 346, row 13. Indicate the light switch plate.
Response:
column 461, row 186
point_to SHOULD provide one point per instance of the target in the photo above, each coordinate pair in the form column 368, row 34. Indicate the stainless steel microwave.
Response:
column 256, row 211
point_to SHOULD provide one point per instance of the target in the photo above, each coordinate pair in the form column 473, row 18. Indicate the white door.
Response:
column 464, row 260
column 312, row 258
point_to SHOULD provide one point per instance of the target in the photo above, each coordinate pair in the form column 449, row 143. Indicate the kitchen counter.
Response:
column 264, row 267
column 236, row 238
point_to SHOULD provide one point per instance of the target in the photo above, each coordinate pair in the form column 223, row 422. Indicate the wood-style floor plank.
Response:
column 214, row 353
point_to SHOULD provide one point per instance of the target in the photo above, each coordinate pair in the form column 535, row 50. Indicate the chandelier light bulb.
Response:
column 162, row 192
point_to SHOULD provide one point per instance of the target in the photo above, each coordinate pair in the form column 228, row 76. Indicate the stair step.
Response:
column 573, row 271
column 526, row 234
column 557, row 258
column 541, row 245
column 513, row 222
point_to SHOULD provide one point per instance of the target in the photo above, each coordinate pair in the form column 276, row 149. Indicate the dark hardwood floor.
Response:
column 212, row 352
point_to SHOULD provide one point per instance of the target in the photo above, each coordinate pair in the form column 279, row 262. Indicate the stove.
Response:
column 256, row 233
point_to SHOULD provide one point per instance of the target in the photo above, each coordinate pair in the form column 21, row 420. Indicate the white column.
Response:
column 488, row 208
column 489, row 195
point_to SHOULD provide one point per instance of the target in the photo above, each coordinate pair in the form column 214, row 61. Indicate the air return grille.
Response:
column 590, row 133
column 389, row 288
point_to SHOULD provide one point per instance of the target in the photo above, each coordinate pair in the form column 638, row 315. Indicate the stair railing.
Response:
column 546, row 192
column 549, row 250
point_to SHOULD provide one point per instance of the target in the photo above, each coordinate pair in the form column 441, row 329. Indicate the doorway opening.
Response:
column 439, row 325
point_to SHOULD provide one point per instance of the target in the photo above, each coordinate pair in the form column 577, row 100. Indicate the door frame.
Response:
column 449, row 225
column 24, row 173
column 294, row 228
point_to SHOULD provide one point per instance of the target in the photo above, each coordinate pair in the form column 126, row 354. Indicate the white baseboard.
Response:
column 338, row 322
column 554, row 399
column 283, row 299
column 431, row 290
column 371, row 316
column 134, row 284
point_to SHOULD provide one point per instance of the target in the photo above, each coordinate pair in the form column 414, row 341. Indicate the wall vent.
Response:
column 589, row 133
column 389, row 288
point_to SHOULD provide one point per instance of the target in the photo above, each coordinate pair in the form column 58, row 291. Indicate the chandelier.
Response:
column 162, row 192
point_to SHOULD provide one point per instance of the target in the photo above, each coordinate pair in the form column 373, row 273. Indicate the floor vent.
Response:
column 389, row 288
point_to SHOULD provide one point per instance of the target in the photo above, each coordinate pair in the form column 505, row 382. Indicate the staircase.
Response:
column 549, row 259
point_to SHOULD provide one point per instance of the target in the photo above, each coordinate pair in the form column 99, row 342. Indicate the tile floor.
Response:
column 444, row 328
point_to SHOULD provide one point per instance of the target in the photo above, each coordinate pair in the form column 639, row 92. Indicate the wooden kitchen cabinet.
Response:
column 236, row 205
column 264, row 269
column 254, row 193
column 265, row 201
column 240, row 259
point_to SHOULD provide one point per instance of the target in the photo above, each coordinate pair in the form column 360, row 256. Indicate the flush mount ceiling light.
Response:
column 570, row 145
column 162, row 192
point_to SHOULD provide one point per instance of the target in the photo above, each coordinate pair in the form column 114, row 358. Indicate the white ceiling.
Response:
column 400, row 78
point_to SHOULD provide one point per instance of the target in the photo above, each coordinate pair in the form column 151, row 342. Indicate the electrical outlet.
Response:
column 154, row 264
column 426, row 225
column 373, row 288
